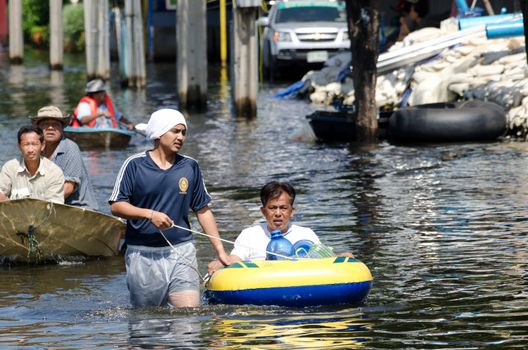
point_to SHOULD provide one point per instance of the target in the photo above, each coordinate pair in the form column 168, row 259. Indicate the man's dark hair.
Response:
column 30, row 128
column 274, row 189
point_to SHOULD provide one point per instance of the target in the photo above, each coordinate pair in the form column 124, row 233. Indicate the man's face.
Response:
column 278, row 212
column 174, row 138
column 99, row 97
column 52, row 130
column 30, row 146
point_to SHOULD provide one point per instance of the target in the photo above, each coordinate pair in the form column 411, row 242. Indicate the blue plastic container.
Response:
column 301, row 248
column 278, row 245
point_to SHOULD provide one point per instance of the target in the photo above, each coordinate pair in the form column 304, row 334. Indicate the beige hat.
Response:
column 95, row 85
column 50, row 112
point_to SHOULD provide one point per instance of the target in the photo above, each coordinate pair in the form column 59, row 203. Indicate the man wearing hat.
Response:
column 32, row 176
column 65, row 153
column 96, row 109
column 154, row 191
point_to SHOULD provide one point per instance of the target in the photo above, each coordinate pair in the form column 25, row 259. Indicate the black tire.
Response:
column 448, row 122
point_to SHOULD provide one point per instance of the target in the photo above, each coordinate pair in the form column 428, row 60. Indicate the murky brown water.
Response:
column 443, row 229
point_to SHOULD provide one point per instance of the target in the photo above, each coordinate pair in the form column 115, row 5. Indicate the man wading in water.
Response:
column 154, row 190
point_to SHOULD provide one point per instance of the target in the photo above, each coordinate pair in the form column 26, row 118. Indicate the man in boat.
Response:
column 66, row 154
column 33, row 176
column 154, row 191
column 96, row 109
column 277, row 208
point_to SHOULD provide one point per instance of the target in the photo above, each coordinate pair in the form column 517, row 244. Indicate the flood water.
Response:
column 443, row 229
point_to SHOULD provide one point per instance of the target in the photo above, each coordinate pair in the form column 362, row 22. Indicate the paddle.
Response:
column 138, row 128
column 141, row 128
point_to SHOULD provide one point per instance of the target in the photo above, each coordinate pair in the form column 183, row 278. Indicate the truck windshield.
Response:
column 310, row 14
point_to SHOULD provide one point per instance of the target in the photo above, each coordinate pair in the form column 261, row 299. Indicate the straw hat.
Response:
column 50, row 112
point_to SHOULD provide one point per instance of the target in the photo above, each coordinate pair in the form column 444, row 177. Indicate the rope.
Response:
column 231, row 242
column 186, row 261
column 33, row 244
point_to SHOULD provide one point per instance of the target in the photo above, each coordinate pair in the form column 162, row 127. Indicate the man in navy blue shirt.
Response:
column 154, row 190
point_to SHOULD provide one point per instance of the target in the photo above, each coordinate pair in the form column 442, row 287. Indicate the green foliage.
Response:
column 73, row 15
column 35, row 21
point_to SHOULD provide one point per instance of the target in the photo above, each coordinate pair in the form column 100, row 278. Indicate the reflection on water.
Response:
column 441, row 227
column 345, row 330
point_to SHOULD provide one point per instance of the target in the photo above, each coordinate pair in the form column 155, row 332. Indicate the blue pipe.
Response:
column 462, row 6
column 467, row 22
column 504, row 30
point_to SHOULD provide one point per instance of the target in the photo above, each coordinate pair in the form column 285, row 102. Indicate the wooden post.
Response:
column 16, row 38
column 223, row 35
column 524, row 9
column 488, row 7
column 245, row 61
column 191, row 55
column 363, row 27
column 56, row 35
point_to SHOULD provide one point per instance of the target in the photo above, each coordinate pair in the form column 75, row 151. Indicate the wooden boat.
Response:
column 89, row 138
column 36, row 231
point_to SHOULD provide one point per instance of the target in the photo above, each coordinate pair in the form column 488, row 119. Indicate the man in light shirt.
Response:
column 78, row 189
column 33, row 176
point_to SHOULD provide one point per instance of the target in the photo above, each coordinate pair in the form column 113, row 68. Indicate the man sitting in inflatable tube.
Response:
column 277, row 207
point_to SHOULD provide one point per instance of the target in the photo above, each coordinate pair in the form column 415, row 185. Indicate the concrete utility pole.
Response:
column 97, row 39
column 245, row 58
column 56, row 35
column 191, row 55
column 16, row 38
column 135, row 53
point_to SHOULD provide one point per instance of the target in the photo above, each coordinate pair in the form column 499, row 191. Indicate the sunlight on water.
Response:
column 443, row 229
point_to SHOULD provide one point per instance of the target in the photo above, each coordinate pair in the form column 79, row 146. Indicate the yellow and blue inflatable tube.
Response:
column 302, row 282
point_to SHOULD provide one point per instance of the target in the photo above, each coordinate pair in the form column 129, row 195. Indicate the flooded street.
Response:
column 443, row 229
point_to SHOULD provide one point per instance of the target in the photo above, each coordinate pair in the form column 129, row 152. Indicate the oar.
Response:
column 141, row 128
column 138, row 128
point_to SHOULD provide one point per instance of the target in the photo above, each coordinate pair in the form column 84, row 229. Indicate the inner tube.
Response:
column 302, row 282
column 448, row 122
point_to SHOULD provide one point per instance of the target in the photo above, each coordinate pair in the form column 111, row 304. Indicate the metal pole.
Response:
column 223, row 34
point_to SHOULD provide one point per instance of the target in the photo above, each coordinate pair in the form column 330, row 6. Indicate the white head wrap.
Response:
column 162, row 121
